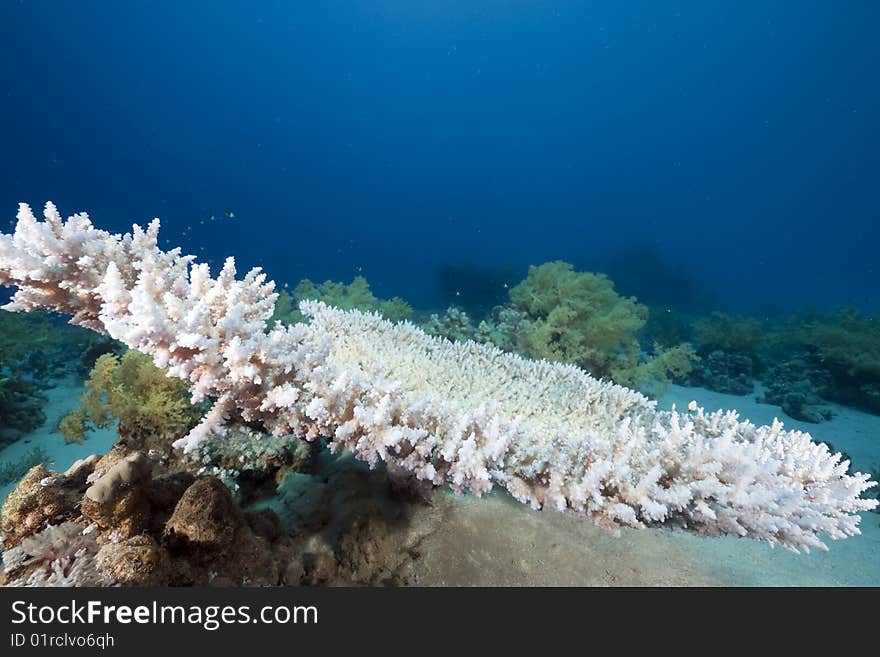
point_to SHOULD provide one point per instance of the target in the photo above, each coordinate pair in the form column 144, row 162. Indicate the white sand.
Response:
column 63, row 398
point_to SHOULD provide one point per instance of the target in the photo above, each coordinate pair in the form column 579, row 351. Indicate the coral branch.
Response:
column 463, row 414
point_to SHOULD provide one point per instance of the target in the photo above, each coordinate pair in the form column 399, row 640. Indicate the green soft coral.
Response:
column 137, row 393
column 355, row 295
column 658, row 371
column 578, row 317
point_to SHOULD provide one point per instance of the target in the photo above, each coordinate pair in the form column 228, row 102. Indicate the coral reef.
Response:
column 571, row 317
column 38, row 500
column 35, row 351
column 504, row 328
column 734, row 335
column 726, row 372
column 21, row 408
column 845, row 344
column 461, row 413
column 59, row 555
column 798, row 386
column 731, row 353
column 125, row 520
column 653, row 373
column 11, row 471
column 42, row 349
column 153, row 410
column 21, row 338
column 22, row 335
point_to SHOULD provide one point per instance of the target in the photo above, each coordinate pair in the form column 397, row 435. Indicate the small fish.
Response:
column 229, row 214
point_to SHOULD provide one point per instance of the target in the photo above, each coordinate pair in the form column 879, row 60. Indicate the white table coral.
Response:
column 464, row 414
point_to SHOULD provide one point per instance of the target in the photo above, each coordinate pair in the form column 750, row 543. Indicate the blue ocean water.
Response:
column 729, row 151
column 705, row 155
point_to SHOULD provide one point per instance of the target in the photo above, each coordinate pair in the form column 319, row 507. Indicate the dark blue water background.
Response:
column 720, row 150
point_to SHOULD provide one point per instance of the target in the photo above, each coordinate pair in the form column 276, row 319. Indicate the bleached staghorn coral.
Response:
column 465, row 414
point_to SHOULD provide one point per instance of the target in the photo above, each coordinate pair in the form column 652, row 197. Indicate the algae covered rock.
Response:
column 136, row 561
column 42, row 498
column 220, row 544
column 205, row 519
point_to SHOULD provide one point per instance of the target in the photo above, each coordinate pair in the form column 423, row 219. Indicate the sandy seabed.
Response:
column 495, row 540
column 464, row 541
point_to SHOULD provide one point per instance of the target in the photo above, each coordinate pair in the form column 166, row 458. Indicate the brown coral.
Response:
column 118, row 499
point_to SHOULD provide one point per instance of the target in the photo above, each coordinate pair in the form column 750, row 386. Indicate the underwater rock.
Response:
column 204, row 520
column 79, row 472
column 163, row 493
column 222, row 546
column 265, row 523
column 368, row 553
column 355, row 526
